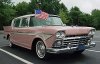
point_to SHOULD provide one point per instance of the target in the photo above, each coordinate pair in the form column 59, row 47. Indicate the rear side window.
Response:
column 17, row 22
column 24, row 22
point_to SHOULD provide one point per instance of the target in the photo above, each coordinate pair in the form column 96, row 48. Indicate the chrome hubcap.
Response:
column 10, row 44
column 40, row 49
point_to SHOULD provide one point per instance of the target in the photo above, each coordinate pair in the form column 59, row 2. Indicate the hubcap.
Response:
column 40, row 49
column 10, row 44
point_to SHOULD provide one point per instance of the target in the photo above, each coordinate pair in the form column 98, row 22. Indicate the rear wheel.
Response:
column 41, row 49
column 10, row 43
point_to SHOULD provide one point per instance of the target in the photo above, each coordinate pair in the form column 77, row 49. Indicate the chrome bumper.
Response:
column 68, row 50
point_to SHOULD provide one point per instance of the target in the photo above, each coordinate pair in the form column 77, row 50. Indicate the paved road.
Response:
column 19, row 55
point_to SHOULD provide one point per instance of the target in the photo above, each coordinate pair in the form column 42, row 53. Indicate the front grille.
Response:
column 76, row 35
column 74, row 41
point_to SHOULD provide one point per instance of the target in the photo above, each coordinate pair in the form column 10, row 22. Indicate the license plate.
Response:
column 81, row 47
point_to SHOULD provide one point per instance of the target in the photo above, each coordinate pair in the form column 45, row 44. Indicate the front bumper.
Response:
column 69, row 50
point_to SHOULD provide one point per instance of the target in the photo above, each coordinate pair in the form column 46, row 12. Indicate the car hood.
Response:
column 69, row 30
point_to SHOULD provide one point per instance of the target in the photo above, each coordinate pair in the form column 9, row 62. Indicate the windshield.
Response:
column 51, row 21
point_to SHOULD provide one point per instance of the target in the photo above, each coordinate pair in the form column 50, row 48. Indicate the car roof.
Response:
column 34, row 15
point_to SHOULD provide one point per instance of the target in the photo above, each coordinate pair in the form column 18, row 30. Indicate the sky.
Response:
column 17, row 1
column 85, row 6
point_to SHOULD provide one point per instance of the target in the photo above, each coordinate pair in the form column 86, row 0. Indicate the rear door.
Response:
column 14, row 34
column 20, row 32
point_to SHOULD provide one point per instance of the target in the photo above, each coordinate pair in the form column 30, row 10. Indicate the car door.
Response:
column 20, row 32
column 26, row 32
column 15, row 27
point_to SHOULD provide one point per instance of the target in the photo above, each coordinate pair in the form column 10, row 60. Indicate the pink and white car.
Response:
column 48, row 36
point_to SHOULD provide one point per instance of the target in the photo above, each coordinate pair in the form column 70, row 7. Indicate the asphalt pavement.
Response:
column 18, row 55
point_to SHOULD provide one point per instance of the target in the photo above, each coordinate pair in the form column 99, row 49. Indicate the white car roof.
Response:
column 33, row 15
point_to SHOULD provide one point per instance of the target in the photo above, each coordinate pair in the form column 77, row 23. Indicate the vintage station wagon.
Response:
column 48, row 36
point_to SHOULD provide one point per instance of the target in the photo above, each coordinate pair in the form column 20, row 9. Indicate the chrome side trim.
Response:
column 45, row 36
column 25, row 33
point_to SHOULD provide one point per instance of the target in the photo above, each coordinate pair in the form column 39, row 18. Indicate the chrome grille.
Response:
column 76, row 35
column 75, row 41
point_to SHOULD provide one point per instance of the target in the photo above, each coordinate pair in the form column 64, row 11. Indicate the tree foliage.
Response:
column 75, row 15
column 21, row 8
column 86, row 20
column 6, row 13
column 49, row 6
column 96, row 18
column 64, row 16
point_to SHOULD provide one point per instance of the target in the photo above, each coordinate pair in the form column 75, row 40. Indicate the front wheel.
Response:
column 41, row 50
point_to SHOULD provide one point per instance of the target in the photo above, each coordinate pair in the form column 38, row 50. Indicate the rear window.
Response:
column 17, row 22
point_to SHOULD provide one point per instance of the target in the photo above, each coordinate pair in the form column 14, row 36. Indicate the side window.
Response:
column 17, row 22
column 24, row 22
column 31, row 23
column 35, row 22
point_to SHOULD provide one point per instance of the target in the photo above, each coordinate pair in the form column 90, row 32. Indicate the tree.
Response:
column 49, row 6
column 6, row 13
column 86, row 19
column 96, row 18
column 75, row 15
column 63, row 16
column 22, row 8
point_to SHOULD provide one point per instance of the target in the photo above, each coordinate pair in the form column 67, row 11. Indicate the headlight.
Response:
column 57, row 43
column 92, row 32
column 60, row 34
